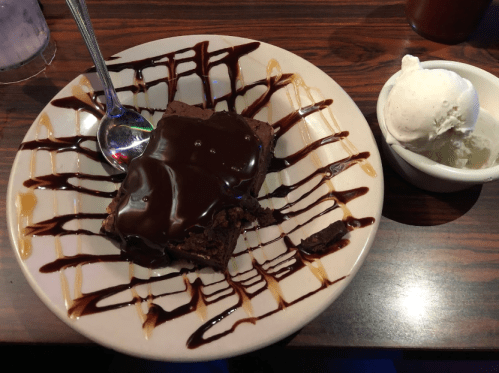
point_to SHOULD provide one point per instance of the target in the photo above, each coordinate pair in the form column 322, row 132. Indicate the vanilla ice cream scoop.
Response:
column 428, row 108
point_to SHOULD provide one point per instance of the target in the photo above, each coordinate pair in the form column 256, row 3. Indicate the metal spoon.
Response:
column 123, row 134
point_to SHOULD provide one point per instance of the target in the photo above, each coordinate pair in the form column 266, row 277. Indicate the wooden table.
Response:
column 431, row 279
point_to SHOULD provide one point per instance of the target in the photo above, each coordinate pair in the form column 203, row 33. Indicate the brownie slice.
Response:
column 193, row 190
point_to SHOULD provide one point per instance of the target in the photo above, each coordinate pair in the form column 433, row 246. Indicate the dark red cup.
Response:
column 445, row 21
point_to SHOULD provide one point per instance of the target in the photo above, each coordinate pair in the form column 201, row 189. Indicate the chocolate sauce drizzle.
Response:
column 61, row 182
column 64, row 144
column 55, row 226
column 263, row 276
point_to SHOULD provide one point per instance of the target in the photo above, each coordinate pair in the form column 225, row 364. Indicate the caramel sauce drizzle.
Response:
column 25, row 204
column 263, row 276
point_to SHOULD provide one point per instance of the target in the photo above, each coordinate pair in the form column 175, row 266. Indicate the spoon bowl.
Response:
column 123, row 138
column 123, row 134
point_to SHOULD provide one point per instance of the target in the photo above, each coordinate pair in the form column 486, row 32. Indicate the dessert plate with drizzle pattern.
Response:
column 326, row 168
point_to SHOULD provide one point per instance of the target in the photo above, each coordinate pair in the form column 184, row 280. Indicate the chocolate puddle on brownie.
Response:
column 197, row 150
column 86, row 304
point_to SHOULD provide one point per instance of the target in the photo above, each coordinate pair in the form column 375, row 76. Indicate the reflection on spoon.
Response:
column 123, row 134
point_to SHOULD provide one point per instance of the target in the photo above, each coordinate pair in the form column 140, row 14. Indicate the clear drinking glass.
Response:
column 25, row 44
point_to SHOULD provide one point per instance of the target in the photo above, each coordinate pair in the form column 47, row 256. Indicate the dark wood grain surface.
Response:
column 431, row 279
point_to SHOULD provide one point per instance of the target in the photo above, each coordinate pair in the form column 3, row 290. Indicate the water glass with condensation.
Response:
column 26, row 47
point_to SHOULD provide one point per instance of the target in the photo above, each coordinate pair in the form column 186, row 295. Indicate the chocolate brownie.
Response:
column 193, row 190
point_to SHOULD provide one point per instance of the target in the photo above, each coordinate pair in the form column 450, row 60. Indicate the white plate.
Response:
column 290, row 301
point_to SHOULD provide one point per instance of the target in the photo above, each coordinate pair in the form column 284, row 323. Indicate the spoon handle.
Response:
column 80, row 14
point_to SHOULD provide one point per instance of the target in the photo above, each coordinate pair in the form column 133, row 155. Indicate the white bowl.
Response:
column 425, row 173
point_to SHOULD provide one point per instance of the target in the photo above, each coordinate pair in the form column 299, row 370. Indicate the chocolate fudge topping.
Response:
column 193, row 189
column 263, row 131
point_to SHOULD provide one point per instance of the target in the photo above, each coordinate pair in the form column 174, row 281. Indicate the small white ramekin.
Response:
column 423, row 172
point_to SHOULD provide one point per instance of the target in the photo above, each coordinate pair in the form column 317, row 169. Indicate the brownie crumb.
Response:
column 320, row 241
